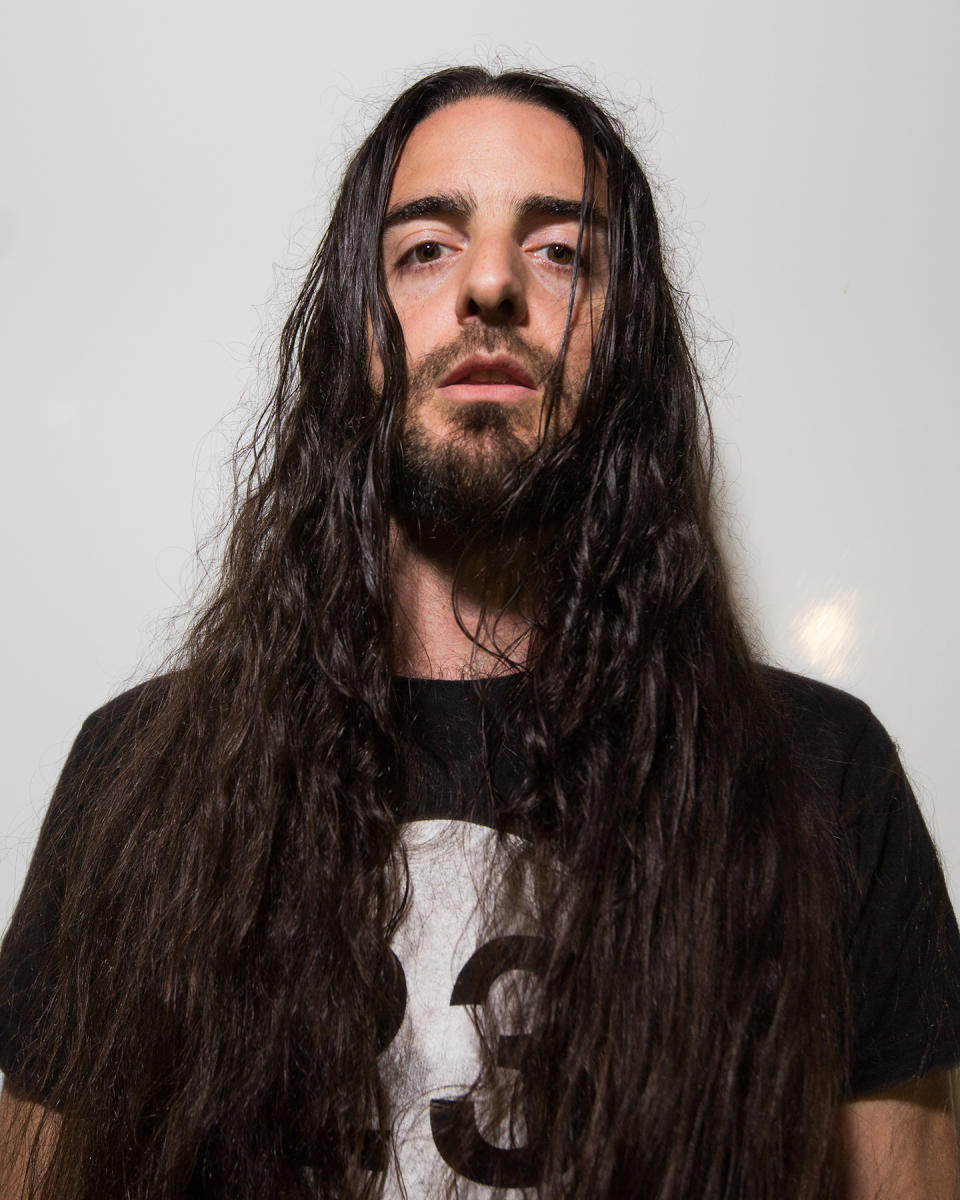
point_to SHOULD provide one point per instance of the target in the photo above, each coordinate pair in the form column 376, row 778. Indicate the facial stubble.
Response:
column 479, row 473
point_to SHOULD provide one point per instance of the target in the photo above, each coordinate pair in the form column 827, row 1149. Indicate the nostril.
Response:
column 498, row 313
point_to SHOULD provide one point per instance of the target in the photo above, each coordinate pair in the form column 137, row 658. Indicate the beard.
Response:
column 477, row 482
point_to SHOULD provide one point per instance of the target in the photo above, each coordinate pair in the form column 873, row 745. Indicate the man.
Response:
column 466, row 849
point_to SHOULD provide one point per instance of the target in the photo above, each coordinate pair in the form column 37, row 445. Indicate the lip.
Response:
column 508, row 381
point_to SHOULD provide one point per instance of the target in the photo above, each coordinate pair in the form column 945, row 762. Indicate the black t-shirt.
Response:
column 903, row 943
column 902, row 939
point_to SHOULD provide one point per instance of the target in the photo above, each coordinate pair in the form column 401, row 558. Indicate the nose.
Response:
column 493, row 289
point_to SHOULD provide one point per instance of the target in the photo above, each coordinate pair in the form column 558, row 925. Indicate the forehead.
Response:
column 492, row 148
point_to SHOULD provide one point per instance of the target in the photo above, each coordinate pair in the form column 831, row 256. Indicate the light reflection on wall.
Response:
column 824, row 635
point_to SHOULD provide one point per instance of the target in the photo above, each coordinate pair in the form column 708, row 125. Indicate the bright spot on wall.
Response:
column 824, row 635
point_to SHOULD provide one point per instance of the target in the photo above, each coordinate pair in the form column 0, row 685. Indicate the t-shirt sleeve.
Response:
column 30, row 968
column 904, row 952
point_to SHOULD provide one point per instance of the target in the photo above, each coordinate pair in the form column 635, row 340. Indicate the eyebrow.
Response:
column 463, row 206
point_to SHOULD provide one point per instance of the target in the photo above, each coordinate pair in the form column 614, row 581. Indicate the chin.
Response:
column 503, row 426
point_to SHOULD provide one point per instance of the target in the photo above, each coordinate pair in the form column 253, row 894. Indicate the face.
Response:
column 478, row 248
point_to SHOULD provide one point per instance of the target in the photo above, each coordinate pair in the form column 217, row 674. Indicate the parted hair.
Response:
column 235, row 870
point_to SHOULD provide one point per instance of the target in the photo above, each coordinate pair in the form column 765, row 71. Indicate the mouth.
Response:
column 488, row 377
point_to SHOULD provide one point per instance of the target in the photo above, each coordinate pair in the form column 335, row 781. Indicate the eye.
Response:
column 426, row 252
column 557, row 253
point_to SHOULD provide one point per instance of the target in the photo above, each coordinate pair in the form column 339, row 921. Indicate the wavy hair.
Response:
column 235, row 871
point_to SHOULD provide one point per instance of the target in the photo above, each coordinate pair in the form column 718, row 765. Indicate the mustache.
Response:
column 437, row 363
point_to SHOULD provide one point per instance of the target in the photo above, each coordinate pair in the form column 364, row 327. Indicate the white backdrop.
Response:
column 166, row 169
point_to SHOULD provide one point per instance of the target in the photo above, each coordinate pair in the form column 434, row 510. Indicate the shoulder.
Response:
column 132, row 706
column 838, row 741
column 97, row 750
column 818, row 713
column 96, row 753
column 108, row 728
column 902, row 942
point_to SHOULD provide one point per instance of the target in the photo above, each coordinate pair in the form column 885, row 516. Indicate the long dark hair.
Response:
column 235, row 872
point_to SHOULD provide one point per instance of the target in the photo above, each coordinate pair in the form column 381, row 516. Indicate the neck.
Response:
column 486, row 633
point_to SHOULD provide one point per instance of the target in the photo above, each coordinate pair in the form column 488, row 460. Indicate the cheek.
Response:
column 579, row 348
column 423, row 328
column 583, row 334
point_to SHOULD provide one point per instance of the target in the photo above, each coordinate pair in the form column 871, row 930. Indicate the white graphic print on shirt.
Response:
column 433, row 1058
